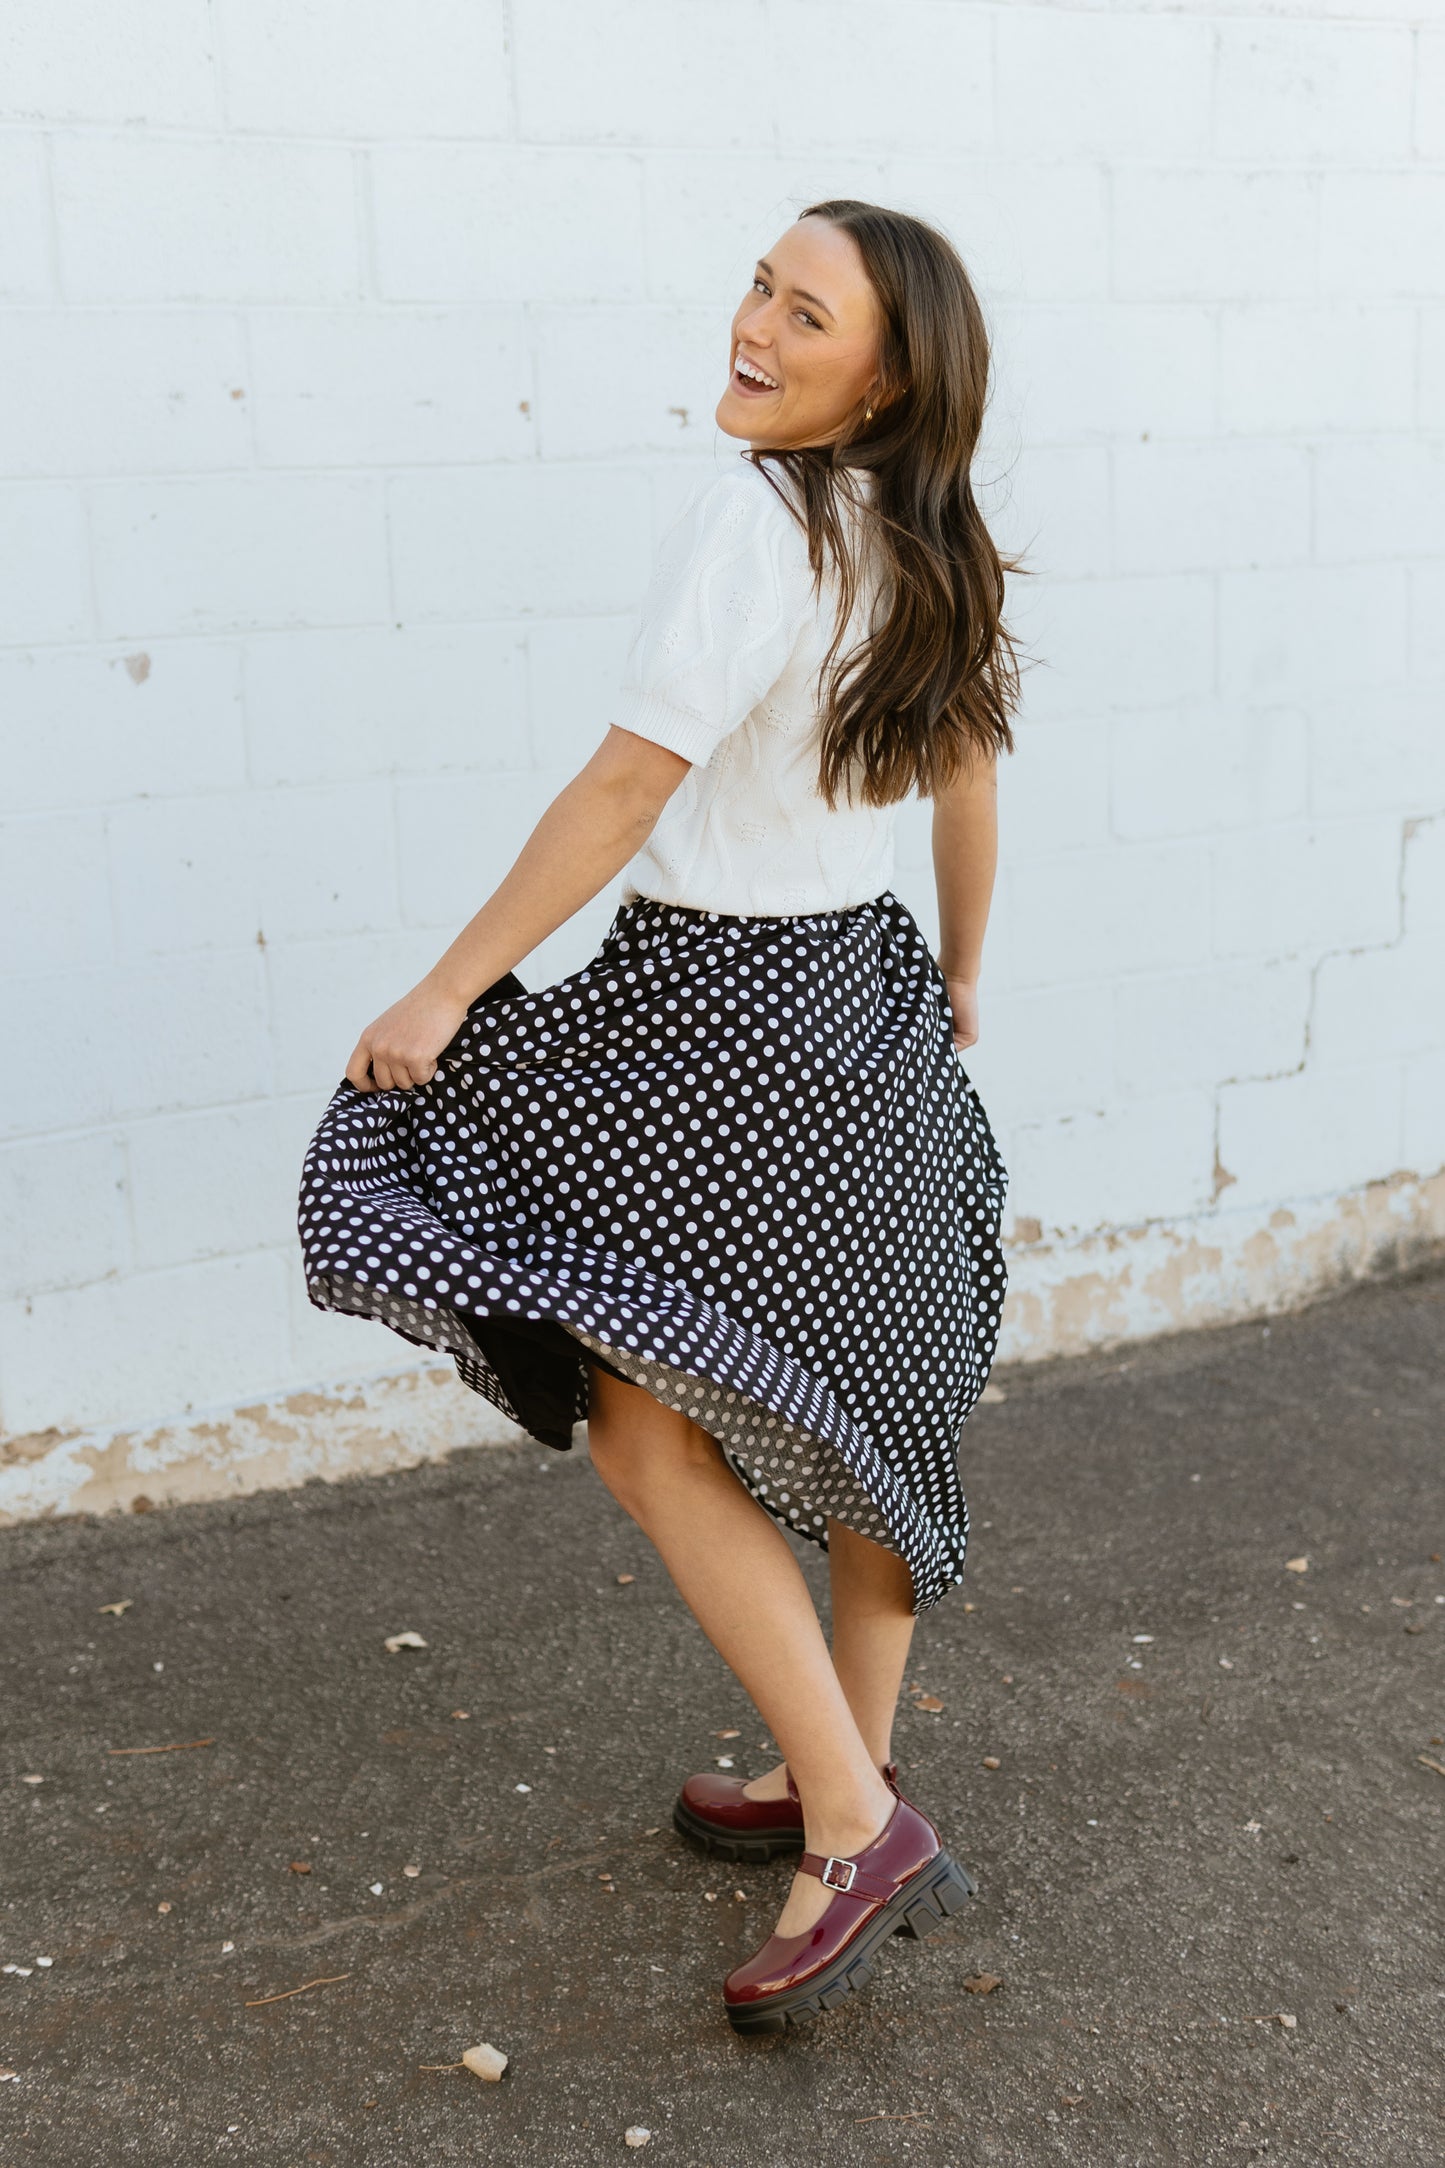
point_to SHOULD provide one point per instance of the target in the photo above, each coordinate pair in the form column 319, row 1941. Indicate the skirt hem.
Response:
column 742, row 1379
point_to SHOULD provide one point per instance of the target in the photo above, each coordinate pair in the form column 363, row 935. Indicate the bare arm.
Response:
column 965, row 859
column 583, row 840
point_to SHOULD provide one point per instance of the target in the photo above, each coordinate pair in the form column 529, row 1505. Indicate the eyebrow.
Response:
column 764, row 265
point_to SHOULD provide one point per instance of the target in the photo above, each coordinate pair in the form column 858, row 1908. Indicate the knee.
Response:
column 640, row 1461
column 614, row 1461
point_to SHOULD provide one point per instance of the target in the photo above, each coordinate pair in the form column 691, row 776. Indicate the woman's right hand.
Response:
column 401, row 1049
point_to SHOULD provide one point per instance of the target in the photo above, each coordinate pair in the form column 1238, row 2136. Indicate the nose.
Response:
column 753, row 342
column 757, row 322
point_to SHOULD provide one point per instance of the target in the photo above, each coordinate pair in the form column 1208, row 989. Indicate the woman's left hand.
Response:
column 400, row 1049
column 963, row 1003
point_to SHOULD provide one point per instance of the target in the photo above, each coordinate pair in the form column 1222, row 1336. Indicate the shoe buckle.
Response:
column 838, row 1873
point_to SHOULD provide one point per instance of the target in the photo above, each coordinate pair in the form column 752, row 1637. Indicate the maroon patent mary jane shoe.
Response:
column 715, row 1812
column 902, row 1883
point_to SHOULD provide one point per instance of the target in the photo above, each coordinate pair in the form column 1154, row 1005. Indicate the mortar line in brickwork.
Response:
column 509, row 47
column 247, row 388
column 52, row 220
column 367, row 291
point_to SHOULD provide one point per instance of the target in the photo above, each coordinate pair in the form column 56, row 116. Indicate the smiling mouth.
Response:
column 749, row 386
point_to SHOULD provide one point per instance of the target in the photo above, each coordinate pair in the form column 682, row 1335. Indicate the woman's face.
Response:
column 811, row 322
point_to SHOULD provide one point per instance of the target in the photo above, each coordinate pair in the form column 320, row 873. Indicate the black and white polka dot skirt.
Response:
column 737, row 1161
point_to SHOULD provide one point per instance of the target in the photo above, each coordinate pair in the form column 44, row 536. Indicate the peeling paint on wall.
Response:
column 352, row 1429
column 1172, row 1276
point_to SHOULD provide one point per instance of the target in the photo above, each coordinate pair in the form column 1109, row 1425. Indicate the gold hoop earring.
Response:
column 868, row 414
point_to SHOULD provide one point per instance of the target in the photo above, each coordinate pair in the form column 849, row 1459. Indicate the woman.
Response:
column 727, row 1191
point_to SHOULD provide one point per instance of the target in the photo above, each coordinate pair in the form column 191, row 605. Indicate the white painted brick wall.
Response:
column 45, row 590
column 354, row 358
column 236, row 553
column 324, row 707
column 25, row 242
column 116, row 391
column 362, row 388
column 500, row 223
column 97, row 726
column 69, row 60
column 179, row 218
column 365, row 68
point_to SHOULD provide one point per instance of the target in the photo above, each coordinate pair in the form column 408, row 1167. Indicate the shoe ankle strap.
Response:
column 846, row 1877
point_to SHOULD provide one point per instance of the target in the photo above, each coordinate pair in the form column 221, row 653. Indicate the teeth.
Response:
column 745, row 368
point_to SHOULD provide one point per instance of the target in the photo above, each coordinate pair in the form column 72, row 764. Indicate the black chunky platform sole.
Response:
column 753, row 1850
column 924, row 1904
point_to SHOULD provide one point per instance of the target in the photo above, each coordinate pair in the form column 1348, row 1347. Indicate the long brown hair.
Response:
column 935, row 682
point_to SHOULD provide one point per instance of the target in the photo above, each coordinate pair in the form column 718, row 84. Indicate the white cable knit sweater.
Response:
column 721, row 670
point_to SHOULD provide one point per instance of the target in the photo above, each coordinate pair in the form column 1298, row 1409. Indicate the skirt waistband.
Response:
column 653, row 910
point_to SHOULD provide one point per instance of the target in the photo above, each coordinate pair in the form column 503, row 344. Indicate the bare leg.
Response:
column 733, row 1568
column 872, row 1632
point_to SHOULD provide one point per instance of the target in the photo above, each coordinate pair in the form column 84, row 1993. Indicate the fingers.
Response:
column 357, row 1069
column 372, row 1071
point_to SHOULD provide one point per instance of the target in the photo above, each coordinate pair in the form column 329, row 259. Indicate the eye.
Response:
column 807, row 318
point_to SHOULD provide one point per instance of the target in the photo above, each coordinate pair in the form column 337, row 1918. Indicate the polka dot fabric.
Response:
column 738, row 1161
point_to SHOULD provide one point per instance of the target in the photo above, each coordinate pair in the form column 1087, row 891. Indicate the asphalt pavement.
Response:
column 1191, row 1745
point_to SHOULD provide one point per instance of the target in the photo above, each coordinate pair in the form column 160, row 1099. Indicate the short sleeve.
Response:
column 729, row 593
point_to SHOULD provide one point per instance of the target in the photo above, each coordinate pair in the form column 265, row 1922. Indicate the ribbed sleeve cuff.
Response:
column 665, row 725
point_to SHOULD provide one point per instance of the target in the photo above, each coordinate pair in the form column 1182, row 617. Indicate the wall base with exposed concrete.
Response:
column 1130, row 1283
column 343, row 1430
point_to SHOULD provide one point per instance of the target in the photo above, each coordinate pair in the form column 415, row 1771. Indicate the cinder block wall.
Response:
column 355, row 357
